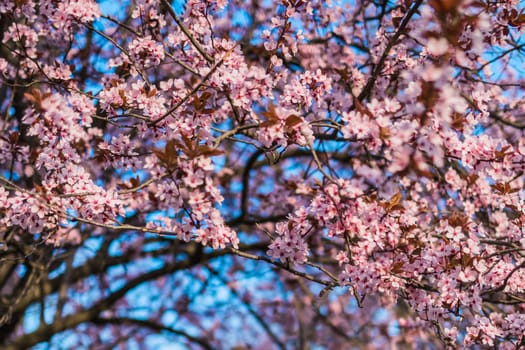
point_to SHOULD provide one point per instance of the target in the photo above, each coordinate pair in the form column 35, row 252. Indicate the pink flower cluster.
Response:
column 146, row 52
column 290, row 242
column 370, row 147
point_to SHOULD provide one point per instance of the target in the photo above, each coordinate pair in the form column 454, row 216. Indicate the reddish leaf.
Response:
column 152, row 92
column 293, row 120
column 362, row 109
column 208, row 151
column 271, row 114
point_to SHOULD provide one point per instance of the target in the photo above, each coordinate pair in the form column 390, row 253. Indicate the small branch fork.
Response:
column 186, row 32
column 193, row 90
column 367, row 90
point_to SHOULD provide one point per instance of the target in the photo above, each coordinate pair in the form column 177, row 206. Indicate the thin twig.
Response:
column 186, row 32
column 192, row 91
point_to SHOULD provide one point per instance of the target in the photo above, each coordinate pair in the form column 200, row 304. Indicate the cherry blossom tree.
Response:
column 262, row 174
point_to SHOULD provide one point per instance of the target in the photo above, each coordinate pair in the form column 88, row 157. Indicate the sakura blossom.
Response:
column 262, row 174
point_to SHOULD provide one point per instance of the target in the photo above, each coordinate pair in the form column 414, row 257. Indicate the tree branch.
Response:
column 186, row 32
column 153, row 326
column 367, row 90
